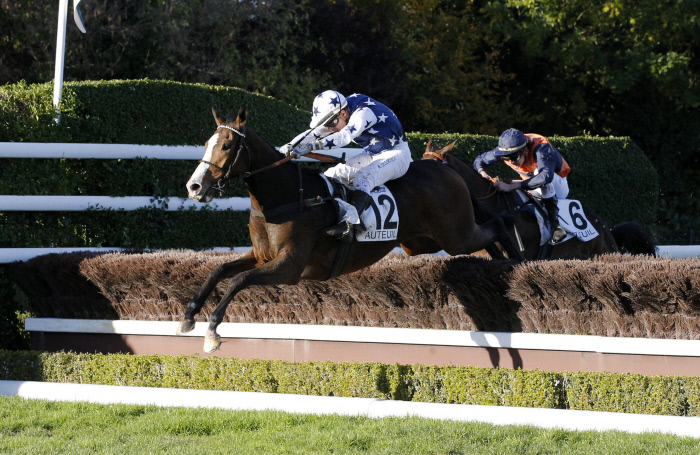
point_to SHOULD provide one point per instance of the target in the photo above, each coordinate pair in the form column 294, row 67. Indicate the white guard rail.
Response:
column 83, row 203
column 131, row 151
column 368, row 407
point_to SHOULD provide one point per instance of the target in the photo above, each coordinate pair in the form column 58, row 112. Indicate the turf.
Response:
column 42, row 427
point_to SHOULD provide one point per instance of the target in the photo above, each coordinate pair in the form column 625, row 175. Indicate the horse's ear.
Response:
column 242, row 116
column 449, row 147
column 429, row 147
column 220, row 120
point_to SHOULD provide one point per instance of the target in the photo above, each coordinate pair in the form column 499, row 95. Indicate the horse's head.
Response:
column 226, row 157
column 433, row 153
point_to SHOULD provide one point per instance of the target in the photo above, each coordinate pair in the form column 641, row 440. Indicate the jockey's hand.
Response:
column 506, row 187
column 286, row 149
column 303, row 149
column 486, row 176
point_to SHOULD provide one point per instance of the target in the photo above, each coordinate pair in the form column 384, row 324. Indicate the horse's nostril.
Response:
column 195, row 186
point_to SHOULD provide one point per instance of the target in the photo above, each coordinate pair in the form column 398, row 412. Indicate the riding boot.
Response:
column 558, row 232
column 344, row 230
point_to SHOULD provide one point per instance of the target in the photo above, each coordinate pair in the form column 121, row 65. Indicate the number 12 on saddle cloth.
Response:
column 380, row 218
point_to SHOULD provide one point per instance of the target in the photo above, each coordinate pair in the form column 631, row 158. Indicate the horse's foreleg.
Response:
column 227, row 270
column 267, row 274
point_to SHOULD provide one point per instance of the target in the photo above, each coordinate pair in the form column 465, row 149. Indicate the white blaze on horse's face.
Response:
column 197, row 189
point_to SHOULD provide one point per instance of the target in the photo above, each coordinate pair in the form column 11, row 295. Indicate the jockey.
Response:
column 541, row 166
column 337, row 121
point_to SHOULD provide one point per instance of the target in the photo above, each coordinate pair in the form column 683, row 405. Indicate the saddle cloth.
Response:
column 571, row 218
column 381, row 218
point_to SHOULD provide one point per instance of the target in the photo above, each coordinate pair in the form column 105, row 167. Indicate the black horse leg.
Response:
column 505, row 239
column 227, row 270
column 271, row 273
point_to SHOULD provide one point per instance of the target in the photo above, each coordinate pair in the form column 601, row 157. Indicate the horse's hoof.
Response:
column 212, row 344
column 186, row 326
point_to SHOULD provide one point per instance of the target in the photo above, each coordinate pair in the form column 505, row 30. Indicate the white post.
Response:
column 60, row 55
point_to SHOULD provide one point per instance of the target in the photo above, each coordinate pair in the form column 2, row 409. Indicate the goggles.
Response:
column 514, row 156
column 334, row 121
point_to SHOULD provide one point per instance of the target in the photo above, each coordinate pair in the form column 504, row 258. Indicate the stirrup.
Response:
column 342, row 231
column 558, row 235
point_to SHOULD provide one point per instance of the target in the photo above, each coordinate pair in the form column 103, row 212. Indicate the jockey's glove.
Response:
column 303, row 149
column 285, row 149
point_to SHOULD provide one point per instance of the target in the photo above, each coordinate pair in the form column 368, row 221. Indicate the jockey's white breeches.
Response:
column 558, row 186
column 365, row 172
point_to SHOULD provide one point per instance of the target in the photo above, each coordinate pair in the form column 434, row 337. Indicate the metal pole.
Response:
column 60, row 56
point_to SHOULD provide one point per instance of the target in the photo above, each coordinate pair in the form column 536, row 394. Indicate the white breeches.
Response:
column 364, row 171
column 558, row 186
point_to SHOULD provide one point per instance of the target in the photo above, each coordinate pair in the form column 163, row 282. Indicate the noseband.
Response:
column 227, row 174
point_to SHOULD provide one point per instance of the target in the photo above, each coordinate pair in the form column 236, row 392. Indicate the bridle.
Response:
column 226, row 179
column 434, row 155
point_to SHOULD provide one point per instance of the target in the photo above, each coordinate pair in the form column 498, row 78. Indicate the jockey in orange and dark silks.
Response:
column 542, row 168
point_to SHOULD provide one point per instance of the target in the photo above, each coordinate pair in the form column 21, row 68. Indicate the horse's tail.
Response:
column 631, row 237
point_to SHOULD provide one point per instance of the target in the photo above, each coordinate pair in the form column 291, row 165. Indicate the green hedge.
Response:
column 631, row 393
column 159, row 112
column 137, row 112
column 139, row 229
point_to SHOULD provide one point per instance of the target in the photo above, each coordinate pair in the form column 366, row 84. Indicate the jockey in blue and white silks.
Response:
column 337, row 121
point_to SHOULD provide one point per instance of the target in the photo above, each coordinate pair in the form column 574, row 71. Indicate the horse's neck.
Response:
column 274, row 186
column 481, row 188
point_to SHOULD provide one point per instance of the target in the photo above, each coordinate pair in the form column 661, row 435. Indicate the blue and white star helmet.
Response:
column 326, row 106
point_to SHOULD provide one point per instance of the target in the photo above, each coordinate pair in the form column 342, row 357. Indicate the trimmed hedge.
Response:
column 630, row 393
column 137, row 112
column 159, row 112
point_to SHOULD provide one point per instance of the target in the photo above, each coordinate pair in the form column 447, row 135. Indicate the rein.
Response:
column 226, row 179
column 488, row 195
column 493, row 180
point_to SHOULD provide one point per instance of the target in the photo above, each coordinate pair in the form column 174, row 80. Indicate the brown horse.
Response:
column 627, row 237
column 431, row 199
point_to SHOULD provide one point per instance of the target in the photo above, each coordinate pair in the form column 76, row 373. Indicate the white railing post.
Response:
column 60, row 56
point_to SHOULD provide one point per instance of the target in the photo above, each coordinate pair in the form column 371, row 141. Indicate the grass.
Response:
column 41, row 427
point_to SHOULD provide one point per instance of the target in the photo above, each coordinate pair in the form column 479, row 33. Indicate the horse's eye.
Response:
column 226, row 146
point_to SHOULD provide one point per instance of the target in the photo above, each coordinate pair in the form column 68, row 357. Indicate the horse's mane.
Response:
column 463, row 160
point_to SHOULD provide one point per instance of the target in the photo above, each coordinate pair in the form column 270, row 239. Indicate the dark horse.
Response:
column 432, row 201
column 628, row 237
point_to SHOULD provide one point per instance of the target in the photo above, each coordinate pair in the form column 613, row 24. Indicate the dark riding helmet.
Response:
column 511, row 142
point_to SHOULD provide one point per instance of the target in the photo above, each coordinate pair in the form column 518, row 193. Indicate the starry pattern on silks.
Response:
column 371, row 125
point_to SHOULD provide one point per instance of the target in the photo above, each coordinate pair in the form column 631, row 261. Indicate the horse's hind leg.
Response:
column 227, row 270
